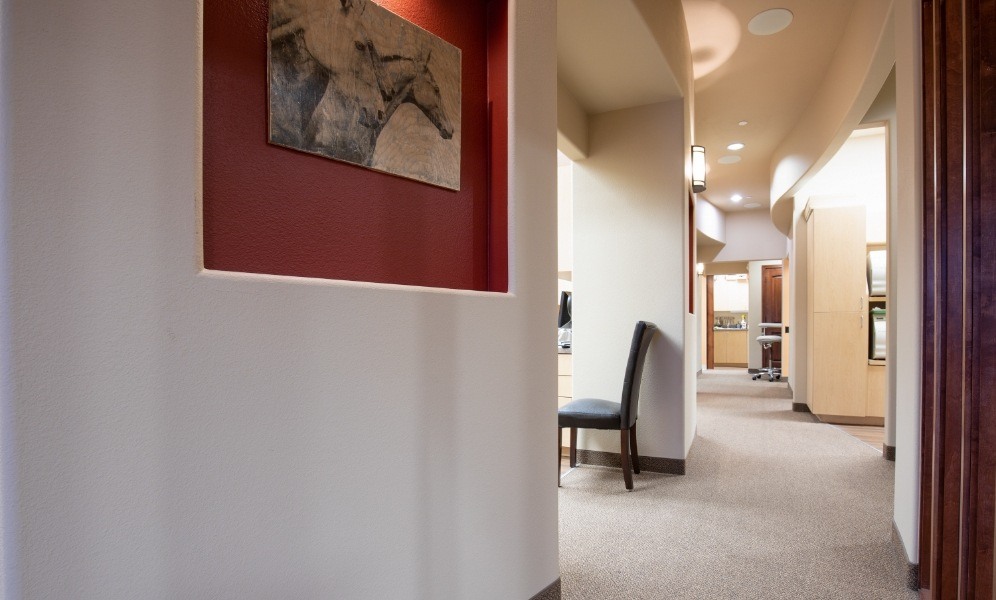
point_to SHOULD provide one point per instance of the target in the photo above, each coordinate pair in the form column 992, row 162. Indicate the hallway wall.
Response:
column 175, row 433
column 630, row 202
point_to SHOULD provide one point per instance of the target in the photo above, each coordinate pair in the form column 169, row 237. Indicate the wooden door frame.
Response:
column 710, row 321
column 958, row 460
column 767, row 269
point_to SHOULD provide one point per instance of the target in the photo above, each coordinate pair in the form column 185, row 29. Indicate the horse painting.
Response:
column 341, row 72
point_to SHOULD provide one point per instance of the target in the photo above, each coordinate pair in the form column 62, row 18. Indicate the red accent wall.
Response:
column 274, row 210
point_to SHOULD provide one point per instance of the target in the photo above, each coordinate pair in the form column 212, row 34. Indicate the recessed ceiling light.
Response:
column 735, row 146
column 729, row 159
column 770, row 21
column 752, row 205
column 736, row 197
column 742, row 123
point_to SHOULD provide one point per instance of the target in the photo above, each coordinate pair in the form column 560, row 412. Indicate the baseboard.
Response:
column 889, row 452
column 800, row 407
column 845, row 420
column 550, row 592
column 912, row 569
column 653, row 464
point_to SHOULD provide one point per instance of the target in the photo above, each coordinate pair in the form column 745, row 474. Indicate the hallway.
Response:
column 774, row 505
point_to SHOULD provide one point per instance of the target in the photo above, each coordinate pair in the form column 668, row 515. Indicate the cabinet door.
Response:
column 720, row 294
column 719, row 346
column 840, row 367
column 738, row 347
column 838, row 242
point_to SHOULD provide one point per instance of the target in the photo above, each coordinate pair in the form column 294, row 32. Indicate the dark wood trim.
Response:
column 550, row 592
column 710, row 321
column 912, row 569
column 929, row 285
column 889, row 452
column 958, row 476
column 692, row 264
column 653, row 464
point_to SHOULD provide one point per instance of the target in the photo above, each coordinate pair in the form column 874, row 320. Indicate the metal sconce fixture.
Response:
column 698, row 169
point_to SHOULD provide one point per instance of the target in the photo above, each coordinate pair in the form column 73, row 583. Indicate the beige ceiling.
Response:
column 605, row 51
column 606, row 56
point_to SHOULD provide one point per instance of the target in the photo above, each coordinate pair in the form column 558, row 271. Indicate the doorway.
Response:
column 771, row 310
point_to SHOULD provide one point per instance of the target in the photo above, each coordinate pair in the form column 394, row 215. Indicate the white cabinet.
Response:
column 729, row 295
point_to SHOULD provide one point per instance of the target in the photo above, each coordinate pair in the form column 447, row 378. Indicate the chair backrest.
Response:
column 642, row 335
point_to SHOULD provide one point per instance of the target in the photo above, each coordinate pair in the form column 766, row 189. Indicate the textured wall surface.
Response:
column 170, row 432
column 269, row 209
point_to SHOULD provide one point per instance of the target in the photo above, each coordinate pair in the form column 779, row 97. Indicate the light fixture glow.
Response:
column 735, row 146
column 742, row 123
column 736, row 197
column 700, row 268
column 698, row 169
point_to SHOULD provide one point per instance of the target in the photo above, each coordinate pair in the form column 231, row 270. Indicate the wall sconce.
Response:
column 698, row 169
column 700, row 268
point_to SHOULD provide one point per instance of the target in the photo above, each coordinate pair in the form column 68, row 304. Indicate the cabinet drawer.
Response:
column 565, row 386
column 564, row 364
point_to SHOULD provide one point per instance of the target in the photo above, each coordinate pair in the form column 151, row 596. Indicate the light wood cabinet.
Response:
column 565, row 387
column 876, row 391
column 839, row 381
column 730, row 348
column 838, row 274
column 841, row 386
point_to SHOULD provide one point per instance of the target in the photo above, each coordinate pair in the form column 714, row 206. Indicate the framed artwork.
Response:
column 351, row 81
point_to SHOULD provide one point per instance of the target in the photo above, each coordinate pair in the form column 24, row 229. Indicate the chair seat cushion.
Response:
column 590, row 413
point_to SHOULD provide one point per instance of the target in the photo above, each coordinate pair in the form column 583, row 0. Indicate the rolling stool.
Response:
column 767, row 341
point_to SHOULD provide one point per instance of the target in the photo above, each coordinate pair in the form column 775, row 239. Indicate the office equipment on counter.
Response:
column 877, row 276
column 564, row 328
column 878, row 332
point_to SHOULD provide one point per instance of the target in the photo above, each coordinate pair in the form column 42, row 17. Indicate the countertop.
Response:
column 729, row 329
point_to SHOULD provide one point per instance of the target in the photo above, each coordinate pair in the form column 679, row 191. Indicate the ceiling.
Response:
column 604, row 50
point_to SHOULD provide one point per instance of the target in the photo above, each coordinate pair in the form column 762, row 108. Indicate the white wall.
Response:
column 862, row 62
column 857, row 171
column 173, row 433
column 750, row 235
column 798, row 370
column 565, row 217
column 906, row 260
column 572, row 124
column 629, row 245
column 710, row 221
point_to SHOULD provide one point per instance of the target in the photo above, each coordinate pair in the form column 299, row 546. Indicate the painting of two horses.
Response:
column 352, row 81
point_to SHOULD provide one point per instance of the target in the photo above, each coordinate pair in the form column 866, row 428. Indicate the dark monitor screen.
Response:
column 564, row 318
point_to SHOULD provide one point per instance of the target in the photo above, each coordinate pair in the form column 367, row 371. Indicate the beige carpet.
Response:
column 774, row 505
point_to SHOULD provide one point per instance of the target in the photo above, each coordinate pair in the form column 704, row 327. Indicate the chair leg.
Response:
column 574, row 447
column 634, row 454
column 560, row 438
column 627, row 466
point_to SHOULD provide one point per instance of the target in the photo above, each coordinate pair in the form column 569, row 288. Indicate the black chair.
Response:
column 590, row 413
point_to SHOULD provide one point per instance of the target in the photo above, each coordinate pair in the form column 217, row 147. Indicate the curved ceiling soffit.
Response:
column 865, row 57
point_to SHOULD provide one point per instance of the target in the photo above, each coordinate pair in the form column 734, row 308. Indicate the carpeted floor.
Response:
column 773, row 505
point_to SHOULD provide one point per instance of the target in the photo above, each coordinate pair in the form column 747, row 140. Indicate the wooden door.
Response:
column 771, row 308
column 958, row 447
